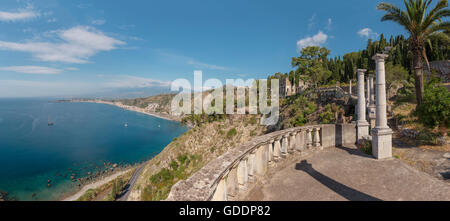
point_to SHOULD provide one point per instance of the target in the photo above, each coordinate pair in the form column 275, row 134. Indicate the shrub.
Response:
column 174, row 165
column 163, row 176
column 366, row 147
column 182, row 159
column 231, row 133
column 89, row 195
column 435, row 109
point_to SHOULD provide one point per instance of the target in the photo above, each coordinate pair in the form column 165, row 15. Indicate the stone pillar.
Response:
column 277, row 149
column 221, row 191
column 372, row 90
column 372, row 107
column 362, row 124
column 292, row 142
column 284, row 145
column 317, row 138
column 242, row 174
column 309, row 141
column 350, row 88
column 368, row 93
column 270, row 153
column 381, row 134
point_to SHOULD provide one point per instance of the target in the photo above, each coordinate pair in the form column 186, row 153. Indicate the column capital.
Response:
column 361, row 71
column 380, row 57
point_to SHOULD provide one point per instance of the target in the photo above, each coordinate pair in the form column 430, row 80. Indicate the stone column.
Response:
column 277, row 149
column 317, row 137
column 362, row 124
column 368, row 93
column 292, row 142
column 309, row 141
column 381, row 134
column 284, row 145
column 350, row 88
column 372, row 90
column 372, row 107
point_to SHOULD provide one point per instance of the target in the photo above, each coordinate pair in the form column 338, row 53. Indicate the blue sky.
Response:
column 61, row 48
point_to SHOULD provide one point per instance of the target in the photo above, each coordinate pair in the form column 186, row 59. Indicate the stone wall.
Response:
column 224, row 177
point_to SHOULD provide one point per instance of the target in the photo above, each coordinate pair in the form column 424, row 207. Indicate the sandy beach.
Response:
column 95, row 185
column 130, row 108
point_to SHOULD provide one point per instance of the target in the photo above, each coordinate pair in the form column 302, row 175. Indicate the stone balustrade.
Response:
column 223, row 178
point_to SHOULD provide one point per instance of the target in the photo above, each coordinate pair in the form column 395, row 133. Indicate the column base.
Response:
column 362, row 130
column 382, row 143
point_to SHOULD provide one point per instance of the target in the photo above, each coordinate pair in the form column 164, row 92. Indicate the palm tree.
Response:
column 421, row 26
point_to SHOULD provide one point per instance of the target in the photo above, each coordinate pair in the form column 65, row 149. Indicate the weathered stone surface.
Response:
column 351, row 175
column 204, row 184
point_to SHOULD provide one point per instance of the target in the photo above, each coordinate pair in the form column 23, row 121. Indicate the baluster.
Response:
column 309, row 140
column 284, row 145
column 242, row 173
column 221, row 191
column 271, row 144
column 277, row 149
column 292, row 142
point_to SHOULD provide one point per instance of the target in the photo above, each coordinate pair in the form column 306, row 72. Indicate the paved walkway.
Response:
column 341, row 174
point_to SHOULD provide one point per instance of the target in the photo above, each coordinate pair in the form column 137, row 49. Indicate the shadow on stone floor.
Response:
column 354, row 151
column 341, row 189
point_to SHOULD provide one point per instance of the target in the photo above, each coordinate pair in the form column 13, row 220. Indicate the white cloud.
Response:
column 127, row 81
column 188, row 60
column 79, row 44
column 317, row 40
column 329, row 23
column 98, row 22
column 367, row 33
column 312, row 21
column 18, row 15
column 32, row 69
column 197, row 64
column 52, row 20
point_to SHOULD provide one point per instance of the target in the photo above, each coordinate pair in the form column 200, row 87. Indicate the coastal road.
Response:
column 126, row 192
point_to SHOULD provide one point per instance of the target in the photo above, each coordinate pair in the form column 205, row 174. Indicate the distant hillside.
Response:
column 158, row 104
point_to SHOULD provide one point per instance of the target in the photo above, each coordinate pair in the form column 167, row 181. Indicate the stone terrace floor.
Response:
column 340, row 174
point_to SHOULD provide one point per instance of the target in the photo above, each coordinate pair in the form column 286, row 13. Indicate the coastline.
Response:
column 95, row 184
column 130, row 108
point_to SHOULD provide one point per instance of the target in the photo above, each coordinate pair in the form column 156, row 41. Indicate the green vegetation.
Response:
column 311, row 64
column 330, row 113
column 231, row 133
column 89, row 195
column 435, row 109
column 162, row 182
column 366, row 147
column 422, row 27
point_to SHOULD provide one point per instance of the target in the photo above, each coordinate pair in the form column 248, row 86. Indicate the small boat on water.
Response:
column 50, row 123
column 125, row 125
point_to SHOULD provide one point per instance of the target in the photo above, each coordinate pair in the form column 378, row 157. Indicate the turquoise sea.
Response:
column 83, row 138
